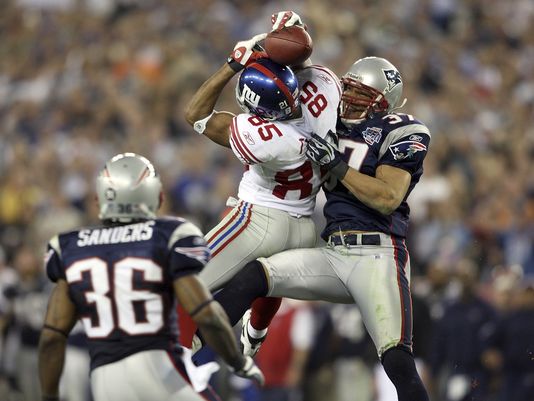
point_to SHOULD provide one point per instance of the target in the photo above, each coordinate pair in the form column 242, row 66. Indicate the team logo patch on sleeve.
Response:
column 200, row 253
column 372, row 135
column 405, row 149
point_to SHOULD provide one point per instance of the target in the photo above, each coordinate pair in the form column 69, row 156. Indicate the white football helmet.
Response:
column 128, row 188
column 371, row 86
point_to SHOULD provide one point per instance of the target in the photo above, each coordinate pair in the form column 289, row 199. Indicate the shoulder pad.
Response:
column 249, row 138
column 185, row 229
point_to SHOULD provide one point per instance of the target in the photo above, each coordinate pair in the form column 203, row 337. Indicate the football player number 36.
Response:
column 122, row 297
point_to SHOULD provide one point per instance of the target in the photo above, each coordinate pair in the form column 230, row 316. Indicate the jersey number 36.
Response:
column 118, row 297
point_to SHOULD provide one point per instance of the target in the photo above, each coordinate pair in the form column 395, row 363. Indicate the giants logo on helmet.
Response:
column 249, row 96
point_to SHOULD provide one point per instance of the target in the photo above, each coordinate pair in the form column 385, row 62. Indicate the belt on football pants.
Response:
column 354, row 239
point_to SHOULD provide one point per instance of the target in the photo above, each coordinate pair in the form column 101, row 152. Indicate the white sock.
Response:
column 255, row 333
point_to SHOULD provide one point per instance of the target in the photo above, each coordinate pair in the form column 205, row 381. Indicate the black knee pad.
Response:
column 251, row 280
column 239, row 293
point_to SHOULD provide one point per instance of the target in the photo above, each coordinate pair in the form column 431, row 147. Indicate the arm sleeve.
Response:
column 188, row 251
column 53, row 263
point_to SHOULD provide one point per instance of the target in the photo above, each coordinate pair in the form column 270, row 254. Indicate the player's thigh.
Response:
column 109, row 383
column 247, row 233
column 302, row 233
column 305, row 274
column 380, row 287
column 75, row 378
column 145, row 376
column 233, row 243
column 163, row 376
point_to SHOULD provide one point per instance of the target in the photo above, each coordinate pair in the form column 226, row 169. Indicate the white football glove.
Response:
column 250, row 371
column 284, row 19
column 244, row 52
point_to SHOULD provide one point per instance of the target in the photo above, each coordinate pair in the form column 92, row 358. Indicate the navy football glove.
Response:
column 326, row 155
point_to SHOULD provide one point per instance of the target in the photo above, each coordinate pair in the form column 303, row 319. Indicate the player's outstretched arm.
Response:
column 200, row 113
column 59, row 321
column 214, row 325
column 384, row 192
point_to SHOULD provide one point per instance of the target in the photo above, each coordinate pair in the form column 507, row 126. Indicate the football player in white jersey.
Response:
column 377, row 162
column 282, row 109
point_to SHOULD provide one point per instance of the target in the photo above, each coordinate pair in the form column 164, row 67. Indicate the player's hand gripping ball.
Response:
column 289, row 46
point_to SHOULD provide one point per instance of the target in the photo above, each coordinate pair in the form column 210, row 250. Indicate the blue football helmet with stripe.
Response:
column 268, row 90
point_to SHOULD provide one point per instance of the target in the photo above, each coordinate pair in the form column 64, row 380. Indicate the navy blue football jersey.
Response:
column 120, row 279
column 397, row 140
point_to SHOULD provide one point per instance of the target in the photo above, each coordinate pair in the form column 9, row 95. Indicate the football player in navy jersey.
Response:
column 121, row 280
column 375, row 165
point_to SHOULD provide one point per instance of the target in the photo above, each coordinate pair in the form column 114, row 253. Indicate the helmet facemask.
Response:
column 359, row 101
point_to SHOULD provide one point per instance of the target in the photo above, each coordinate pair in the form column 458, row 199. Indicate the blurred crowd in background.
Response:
column 82, row 80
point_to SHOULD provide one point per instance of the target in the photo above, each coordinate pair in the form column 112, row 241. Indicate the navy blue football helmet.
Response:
column 268, row 90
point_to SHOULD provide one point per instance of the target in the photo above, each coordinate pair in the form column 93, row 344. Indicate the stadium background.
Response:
column 81, row 80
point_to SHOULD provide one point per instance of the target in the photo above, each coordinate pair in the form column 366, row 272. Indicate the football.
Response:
column 289, row 46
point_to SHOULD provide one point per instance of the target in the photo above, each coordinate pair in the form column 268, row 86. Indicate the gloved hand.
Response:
column 320, row 151
column 246, row 52
column 284, row 19
column 250, row 371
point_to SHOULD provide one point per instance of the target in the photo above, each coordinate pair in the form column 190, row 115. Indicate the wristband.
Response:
column 201, row 306
column 200, row 125
column 340, row 170
column 46, row 326
column 234, row 65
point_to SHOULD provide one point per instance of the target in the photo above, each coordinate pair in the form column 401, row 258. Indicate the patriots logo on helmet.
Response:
column 372, row 135
column 405, row 149
column 110, row 194
column 393, row 77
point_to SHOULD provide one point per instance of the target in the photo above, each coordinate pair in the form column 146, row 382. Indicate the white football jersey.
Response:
column 278, row 173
